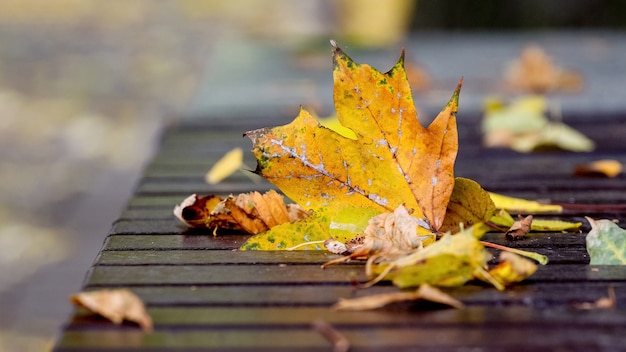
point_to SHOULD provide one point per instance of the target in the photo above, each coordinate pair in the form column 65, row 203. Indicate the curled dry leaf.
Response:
column 520, row 228
column 250, row 212
column 115, row 305
column 606, row 168
column 194, row 211
column 386, row 235
column 535, row 71
column 392, row 232
column 424, row 292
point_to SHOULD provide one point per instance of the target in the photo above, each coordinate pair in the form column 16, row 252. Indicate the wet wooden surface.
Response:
column 202, row 294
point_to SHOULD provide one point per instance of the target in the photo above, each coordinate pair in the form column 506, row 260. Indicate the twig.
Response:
column 540, row 258
column 340, row 343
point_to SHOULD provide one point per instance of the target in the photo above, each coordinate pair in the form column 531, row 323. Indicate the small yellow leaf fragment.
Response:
column 225, row 167
column 606, row 167
column 512, row 268
column 424, row 292
column 115, row 305
column 512, row 204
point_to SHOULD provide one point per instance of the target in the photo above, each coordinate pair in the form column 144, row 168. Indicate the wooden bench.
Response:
column 202, row 294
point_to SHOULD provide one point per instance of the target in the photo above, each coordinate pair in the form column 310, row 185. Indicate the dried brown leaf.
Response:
column 535, row 71
column 424, row 292
column 194, row 211
column 520, row 228
column 386, row 235
column 250, row 212
column 115, row 305
column 602, row 303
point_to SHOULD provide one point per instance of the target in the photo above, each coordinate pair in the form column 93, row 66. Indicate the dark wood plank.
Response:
column 204, row 239
column 488, row 338
column 542, row 295
column 187, row 257
column 223, row 275
column 405, row 316
column 299, row 273
column 193, row 240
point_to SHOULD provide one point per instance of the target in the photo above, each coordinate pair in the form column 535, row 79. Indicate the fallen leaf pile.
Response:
column 372, row 183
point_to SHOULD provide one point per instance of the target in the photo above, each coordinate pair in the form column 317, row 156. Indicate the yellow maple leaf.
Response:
column 393, row 161
column 226, row 166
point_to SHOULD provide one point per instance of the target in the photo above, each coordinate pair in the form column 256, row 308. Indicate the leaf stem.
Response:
column 304, row 244
column 540, row 258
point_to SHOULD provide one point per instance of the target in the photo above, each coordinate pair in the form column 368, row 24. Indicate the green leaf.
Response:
column 451, row 261
column 469, row 204
column 504, row 219
column 606, row 243
column 341, row 225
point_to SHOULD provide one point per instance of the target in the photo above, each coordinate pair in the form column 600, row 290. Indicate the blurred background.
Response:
column 86, row 87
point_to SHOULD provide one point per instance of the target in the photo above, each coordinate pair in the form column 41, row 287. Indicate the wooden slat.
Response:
column 539, row 295
column 190, row 241
column 204, row 239
column 290, row 317
column 183, row 257
column 489, row 338
column 298, row 273
column 226, row 274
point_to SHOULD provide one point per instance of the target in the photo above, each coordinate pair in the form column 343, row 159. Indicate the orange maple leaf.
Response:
column 394, row 159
